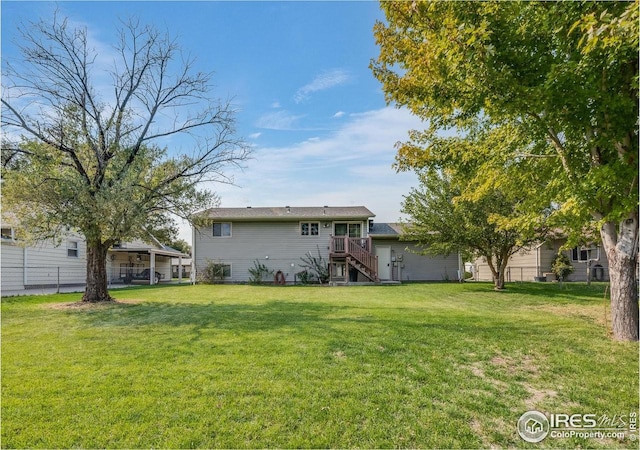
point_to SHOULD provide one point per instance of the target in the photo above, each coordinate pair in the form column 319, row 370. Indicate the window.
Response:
column 223, row 271
column 581, row 254
column 348, row 229
column 72, row 249
column 7, row 233
column 309, row 228
column 222, row 229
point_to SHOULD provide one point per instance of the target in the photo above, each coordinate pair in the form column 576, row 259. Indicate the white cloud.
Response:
column 325, row 80
column 279, row 120
column 339, row 114
column 275, row 105
column 254, row 135
column 352, row 166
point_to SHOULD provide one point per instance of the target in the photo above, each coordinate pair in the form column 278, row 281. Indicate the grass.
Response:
column 418, row 365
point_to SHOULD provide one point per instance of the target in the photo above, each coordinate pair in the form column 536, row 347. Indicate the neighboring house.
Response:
column 534, row 263
column 64, row 264
column 355, row 249
column 42, row 265
column 181, row 263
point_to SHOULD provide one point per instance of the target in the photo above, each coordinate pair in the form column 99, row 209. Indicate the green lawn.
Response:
column 418, row 365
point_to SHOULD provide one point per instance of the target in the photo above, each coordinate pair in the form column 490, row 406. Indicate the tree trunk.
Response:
column 96, row 290
column 621, row 247
column 498, row 281
column 497, row 273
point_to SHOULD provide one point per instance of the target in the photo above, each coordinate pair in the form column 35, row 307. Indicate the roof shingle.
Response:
column 290, row 213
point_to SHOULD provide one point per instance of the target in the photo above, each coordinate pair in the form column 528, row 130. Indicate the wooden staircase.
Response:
column 356, row 253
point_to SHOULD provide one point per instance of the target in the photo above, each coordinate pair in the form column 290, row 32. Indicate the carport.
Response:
column 139, row 263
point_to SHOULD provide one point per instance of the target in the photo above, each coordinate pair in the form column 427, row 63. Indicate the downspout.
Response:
column 193, row 254
column 24, row 268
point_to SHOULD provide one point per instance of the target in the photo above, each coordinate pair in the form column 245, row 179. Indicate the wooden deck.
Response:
column 356, row 253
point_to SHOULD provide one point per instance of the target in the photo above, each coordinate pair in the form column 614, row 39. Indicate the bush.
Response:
column 213, row 272
column 259, row 273
column 317, row 266
column 561, row 267
column 304, row 277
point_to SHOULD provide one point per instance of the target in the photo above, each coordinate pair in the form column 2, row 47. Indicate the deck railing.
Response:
column 360, row 249
column 344, row 244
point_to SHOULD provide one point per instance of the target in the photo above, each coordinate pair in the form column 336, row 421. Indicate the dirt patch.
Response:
column 89, row 306
column 513, row 366
column 537, row 396
column 340, row 355
column 477, row 370
column 598, row 314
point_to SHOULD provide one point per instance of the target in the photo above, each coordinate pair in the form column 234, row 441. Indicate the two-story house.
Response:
column 355, row 248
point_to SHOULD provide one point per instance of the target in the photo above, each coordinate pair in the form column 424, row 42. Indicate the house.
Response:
column 63, row 263
column 534, row 263
column 355, row 248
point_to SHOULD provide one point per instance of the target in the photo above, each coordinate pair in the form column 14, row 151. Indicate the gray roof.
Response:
column 385, row 230
column 289, row 213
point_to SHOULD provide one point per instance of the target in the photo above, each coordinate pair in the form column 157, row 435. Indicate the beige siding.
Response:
column 536, row 262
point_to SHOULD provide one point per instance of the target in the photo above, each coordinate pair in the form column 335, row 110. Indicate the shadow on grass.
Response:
column 544, row 291
column 239, row 317
column 340, row 323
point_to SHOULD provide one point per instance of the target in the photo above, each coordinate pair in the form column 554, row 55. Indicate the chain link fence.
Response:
column 19, row 280
column 596, row 272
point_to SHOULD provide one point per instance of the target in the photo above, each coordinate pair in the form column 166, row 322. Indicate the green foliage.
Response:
column 99, row 167
column 317, row 266
column 561, row 267
column 179, row 244
column 304, row 277
column 561, row 75
column 213, row 272
column 472, row 198
column 259, row 273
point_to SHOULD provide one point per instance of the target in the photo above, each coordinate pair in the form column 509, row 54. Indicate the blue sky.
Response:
column 298, row 75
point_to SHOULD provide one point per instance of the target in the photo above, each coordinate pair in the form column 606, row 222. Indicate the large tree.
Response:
column 457, row 207
column 86, row 137
column 565, row 73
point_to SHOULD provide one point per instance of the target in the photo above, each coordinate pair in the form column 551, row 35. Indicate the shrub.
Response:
column 316, row 265
column 259, row 273
column 304, row 277
column 561, row 266
column 213, row 272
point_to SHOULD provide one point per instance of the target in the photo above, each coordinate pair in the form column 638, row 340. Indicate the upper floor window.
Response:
column 222, row 229
column 309, row 228
column 582, row 254
column 7, row 233
column 72, row 249
column 353, row 230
